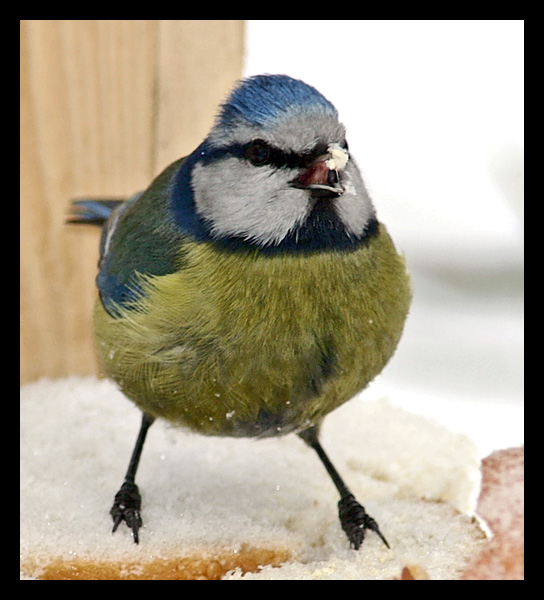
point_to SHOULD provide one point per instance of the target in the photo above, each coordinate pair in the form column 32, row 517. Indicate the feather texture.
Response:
column 233, row 337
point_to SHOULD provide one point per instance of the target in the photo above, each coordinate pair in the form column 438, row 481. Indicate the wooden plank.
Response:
column 198, row 64
column 99, row 107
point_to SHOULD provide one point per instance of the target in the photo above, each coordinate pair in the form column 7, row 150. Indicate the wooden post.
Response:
column 105, row 106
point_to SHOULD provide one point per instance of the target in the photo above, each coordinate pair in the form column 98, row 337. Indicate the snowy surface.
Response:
column 206, row 495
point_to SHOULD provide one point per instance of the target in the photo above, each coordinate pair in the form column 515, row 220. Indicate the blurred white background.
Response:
column 434, row 112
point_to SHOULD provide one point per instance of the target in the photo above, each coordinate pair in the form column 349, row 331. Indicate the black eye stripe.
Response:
column 272, row 157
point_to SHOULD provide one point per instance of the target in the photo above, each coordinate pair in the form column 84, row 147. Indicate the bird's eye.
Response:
column 344, row 145
column 258, row 152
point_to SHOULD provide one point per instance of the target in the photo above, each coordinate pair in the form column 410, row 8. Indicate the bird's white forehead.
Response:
column 297, row 131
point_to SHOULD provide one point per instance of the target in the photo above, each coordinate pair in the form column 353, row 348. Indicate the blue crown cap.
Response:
column 259, row 100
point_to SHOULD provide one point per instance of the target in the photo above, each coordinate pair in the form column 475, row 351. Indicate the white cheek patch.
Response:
column 258, row 204
column 338, row 159
column 354, row 206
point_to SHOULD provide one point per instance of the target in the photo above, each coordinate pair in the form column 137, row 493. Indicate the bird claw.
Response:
column 126, row 507
column 355, row 521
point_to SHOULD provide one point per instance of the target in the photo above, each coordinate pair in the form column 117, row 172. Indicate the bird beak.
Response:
column 322, row 176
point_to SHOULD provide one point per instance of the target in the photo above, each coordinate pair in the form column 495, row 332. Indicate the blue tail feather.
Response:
column 92, row 212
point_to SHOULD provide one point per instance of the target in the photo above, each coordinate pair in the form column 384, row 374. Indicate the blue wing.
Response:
column 139, row 237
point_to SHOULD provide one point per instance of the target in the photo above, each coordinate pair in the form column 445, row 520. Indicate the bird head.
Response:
column 274, row 173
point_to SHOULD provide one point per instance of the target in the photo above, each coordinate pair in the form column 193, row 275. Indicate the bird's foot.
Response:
column 126, row 507
column 355, row 521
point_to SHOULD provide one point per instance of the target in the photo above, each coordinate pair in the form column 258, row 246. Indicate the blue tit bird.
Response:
column 250, row 289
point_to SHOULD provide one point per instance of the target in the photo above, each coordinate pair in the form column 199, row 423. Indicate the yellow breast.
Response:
column 237, row 343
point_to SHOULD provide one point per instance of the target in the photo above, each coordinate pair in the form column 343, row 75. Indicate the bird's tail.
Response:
column 92, row 211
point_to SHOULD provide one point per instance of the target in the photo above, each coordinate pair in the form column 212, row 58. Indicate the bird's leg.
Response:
column 127, row 503
column 353, row 517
